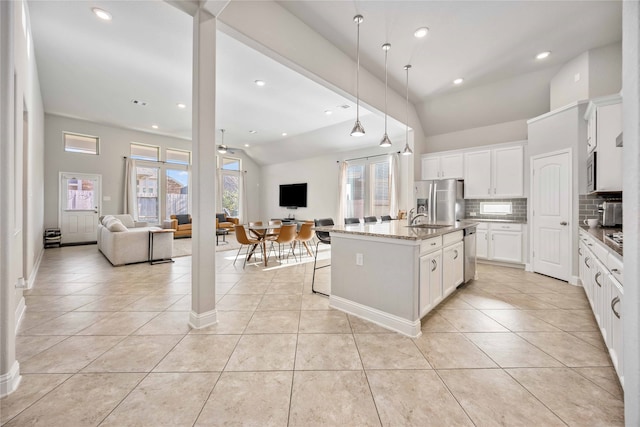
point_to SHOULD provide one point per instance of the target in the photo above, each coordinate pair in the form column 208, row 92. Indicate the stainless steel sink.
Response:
column 435, row 226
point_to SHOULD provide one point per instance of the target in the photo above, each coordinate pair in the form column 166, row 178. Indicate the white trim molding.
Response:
column 202, row 320
column 20, row 309
column 386, row 320
column 34, row 272
column 10, row 381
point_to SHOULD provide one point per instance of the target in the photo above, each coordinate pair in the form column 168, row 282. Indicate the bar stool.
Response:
column 324, row 237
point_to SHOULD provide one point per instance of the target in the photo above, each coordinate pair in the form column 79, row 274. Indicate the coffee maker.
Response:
column 611, row 214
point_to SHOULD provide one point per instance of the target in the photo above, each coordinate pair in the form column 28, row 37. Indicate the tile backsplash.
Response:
column 519, row 209
column 588, row 205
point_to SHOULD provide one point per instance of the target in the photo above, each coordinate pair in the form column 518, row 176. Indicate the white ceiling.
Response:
column 92, row 69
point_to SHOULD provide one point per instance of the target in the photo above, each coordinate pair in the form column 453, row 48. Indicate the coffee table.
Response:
column 221, row 232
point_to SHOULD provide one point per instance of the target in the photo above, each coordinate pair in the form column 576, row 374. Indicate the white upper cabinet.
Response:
column 442, row 166
column 508, row 173
column 604, row 124
column 495, row 173
column 477, row 174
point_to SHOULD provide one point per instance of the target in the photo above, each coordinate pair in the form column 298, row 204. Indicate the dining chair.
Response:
column 385, row 218
column 324, row 237
column 370, row 219
column 255, row 224
column 287, row 235
column 272, row 233
column 243, row 239
column 304, row 236
column 351, row 221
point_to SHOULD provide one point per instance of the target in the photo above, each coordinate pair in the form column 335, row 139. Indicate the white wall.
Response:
column 517, row 98
column 486, row 135
column 600, row 74
column 321, row 175
column 114, row 145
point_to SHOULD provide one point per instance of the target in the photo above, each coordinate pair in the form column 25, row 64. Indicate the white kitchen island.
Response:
column 393, row 275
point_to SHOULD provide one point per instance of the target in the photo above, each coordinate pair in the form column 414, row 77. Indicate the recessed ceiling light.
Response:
column 246, row 145
column 253, row 131
column 154, row 126
column 182, row 106
column 328, row 112
column 284, row 134
column 102, row 14
column 458, row 81
column 260, row 83
column 543, row 55
column 420, row 32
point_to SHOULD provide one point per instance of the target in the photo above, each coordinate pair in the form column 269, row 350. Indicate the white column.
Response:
column 9, row 367
column 631, row 132
column 203, row 273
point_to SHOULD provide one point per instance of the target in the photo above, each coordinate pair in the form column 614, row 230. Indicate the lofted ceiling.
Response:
column 93, row 70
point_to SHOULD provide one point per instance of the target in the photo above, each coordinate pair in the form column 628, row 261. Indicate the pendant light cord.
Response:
column 407, row 121
column 358, row 71
column 386, row 52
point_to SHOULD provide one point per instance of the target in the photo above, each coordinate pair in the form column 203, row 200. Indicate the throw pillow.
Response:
column 116, row 226
column 221, row 217
column 106, row 219
column 183, row 219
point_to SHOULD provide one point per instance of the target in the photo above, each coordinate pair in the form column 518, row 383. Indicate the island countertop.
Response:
column 396, row 229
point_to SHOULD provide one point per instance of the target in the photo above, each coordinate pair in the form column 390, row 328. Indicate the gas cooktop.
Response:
column 615, row 238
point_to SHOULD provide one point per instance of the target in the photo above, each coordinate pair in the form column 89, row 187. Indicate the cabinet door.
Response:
column 599, row 297
column 591, row 131
column 587, row 264
column 435, row 279
column 508, row 172
column 451, row 166
column 506, row 246
column 452, row 267
column 609, row 164
column 431, row 167
column 425, row 277
column 482, row 244
column 477, row 174
column 615, row 307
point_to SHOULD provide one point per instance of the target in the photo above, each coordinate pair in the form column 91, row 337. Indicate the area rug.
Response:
column 182, row 247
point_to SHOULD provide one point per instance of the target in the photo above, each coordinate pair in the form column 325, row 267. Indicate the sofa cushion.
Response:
column 126, row 220
column 221, row 217
column 116, row 225
column 106, row 219
column 183, row 219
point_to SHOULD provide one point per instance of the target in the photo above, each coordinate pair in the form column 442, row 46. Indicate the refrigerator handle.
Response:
column 434, row 203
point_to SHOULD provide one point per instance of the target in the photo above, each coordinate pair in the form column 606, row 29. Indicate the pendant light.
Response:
column 406, row 151
column 358, row 130
column 386, row 142
column 222, row 149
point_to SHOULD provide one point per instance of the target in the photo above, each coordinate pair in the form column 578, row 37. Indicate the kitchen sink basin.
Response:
column 428, row 226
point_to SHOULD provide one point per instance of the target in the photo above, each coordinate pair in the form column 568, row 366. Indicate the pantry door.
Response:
column 80, row 196
column 551, row 202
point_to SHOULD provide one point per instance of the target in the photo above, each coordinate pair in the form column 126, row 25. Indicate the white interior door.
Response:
column 80, row 196
column 551, row 215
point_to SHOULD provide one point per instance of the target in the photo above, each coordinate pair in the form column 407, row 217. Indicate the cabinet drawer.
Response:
column 431, row 244
column 506, row 227
column 615, row 266
column 451, row 238
column 483, row 226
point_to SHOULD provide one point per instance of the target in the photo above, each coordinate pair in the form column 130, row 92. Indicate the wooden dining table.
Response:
column 261, row 232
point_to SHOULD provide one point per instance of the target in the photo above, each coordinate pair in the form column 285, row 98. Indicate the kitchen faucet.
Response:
column 410, row 215
column 413, row 220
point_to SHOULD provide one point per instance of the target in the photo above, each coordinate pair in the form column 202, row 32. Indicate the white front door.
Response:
column 551, row 201
column 80, row 196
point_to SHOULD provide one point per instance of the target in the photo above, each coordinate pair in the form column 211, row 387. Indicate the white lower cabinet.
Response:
column 430, row 281
column 605, row 294
column 452, row 267
column 499, row 242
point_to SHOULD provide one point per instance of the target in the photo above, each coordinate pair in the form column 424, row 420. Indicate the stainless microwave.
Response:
column 591, row 172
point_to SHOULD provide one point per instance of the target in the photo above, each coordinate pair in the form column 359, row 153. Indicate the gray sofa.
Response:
column 125, row 241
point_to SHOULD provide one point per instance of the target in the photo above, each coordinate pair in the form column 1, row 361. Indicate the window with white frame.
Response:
column 85, row 144
column 179, row 157
column 496, row 208
column 231, row 185
column 368, row 188
column 145, row 152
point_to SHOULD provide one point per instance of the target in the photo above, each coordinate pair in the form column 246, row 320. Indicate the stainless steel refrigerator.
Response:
column 441, row 200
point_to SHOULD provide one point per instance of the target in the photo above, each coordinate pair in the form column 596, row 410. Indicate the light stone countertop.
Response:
column 599, row 232
column 507, row 221
column 396, row 229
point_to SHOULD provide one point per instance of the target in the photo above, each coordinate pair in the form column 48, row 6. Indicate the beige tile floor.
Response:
column 111, row 346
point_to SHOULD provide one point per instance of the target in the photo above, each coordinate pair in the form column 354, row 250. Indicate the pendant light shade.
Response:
column 385, row 142
column 406, row 151
column 222, row 149
column 358, row 130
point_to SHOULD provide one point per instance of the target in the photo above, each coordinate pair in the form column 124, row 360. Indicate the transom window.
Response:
column 76, row 143
column 145, row 152
column 180, row 157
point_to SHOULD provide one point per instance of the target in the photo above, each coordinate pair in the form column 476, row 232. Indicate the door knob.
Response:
column 564, row 223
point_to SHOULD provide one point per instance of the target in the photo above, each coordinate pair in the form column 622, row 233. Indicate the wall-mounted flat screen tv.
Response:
column 293, row 195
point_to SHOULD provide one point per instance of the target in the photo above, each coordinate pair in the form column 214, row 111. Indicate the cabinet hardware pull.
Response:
column 564, row 223
column 456, row 252
column 586, row 263
column 613, row 306
column 589, row 244
column 615, row 270
column 579, row 251
column 435, row 265
column 598, row 274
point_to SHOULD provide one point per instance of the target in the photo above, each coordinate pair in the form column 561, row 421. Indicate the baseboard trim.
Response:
column 202, row 320
column 502, row 264
column 528, row 268
column 34, row 272
column 386, row 320
column 10, row 381
column 575, row 281
column 20, row 309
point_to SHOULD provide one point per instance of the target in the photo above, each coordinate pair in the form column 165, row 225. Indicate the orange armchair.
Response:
column 226, row 222
column 182, row 230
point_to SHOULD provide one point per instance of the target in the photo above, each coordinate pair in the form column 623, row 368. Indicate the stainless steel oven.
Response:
column 591, row 173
